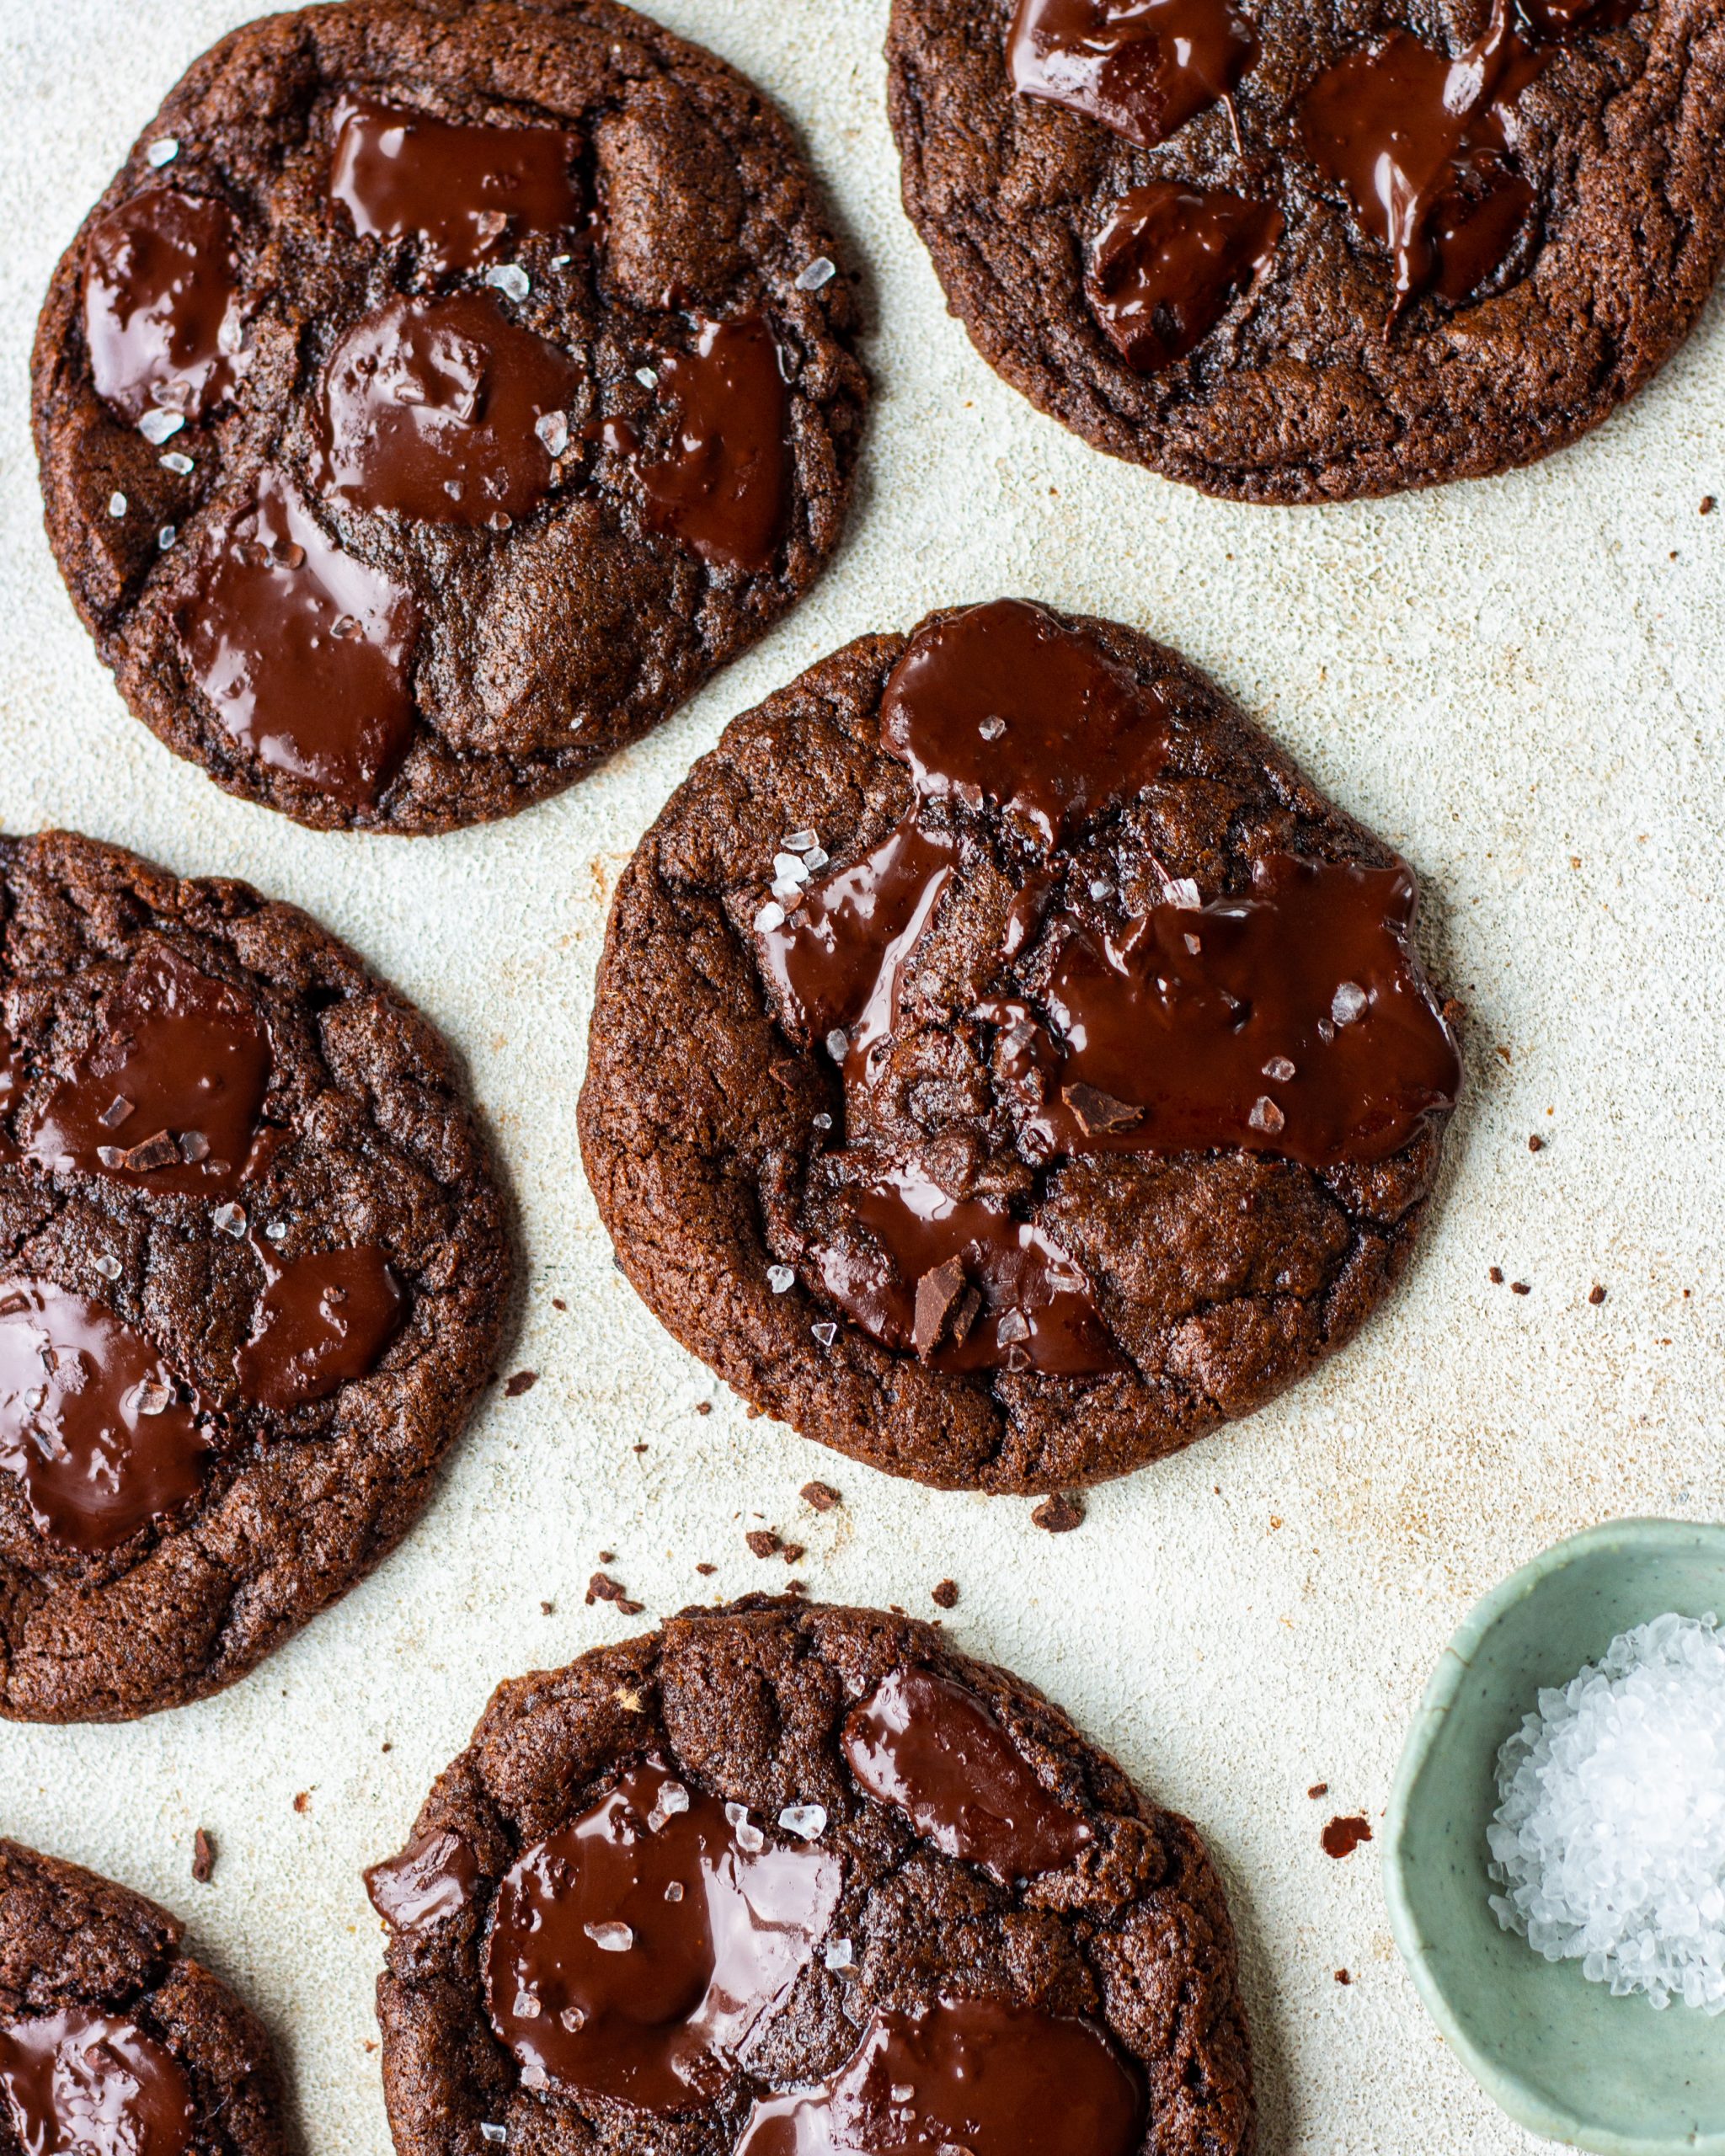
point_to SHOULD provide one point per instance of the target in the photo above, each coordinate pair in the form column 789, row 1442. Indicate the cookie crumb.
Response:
column 387, row 1745
column 203, row 1857
column 640, row 1448
column 703, row 1406
column 1535, row 1144
column 1708, row 505
column 1520, row 1287
column 1596, row 1294
column 1496, row 1276
column 821, row 1496
column 607, row 1556
column 797, row 1587
column 547, row 1610
column 602, row 1588
column 763, row 1542
column 1342, row 1977
column 1058, row 1515
column 707, row 1570
column 946, row 1595
column 631, row 1702
column 793, row 1553
column 1341, row 1837
column 302, row 1802
column 522, row 1381
column 1318, row 1789
column 558, row 1304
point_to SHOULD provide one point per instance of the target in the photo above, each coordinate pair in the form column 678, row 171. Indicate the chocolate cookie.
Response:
column 113, row 2043
column 441, row 392
column 1292, row 253
column 253, row 1274
column 784, row 1880
column 1005, row 1065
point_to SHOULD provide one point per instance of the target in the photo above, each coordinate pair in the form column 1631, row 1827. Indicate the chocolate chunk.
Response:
column 1099, row 1111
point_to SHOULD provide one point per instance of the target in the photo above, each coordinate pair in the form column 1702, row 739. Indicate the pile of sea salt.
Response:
column 1609, row 1840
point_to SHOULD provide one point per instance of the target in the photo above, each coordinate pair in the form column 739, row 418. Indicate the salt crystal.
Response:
column 780, row 1279
column 553, row 428
column 152, row 1397
column 609, row 1938
column 1014, row 1326
column 820, row 271
column 116, row 1113
column 902, row 2092
column 839, row 1954
column 647, row 378
column 789, row 867
column 157, row 426
column 806, row 1820
column 1265, row 1115
column 177, row 461
column 749, row 1837
column 510, row 279
column 1278, row 1068
column 1349, row 999
column 672, row 1798
column 163, row 151
column 1609, row 1838
column 1181, row 891
column 109, row 1268
column 825, row 1332
column 815, row 859
column 838, row 1043
column 992, row 729
column 231, row 1220
column 166, row 536
column 772, row 916
column 674, row 1890
column 494, row 2132
column 822, row 1122
column 116, row 504
column 277, row 1232
column 800, row 841
column 1099, row 888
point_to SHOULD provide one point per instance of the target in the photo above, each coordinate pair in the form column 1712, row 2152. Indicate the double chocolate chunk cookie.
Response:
column 442, row 392
column 253, row 1272
column 1292, row 253
column 782, row 1880
column 113, row 2043
column 1005, row 1065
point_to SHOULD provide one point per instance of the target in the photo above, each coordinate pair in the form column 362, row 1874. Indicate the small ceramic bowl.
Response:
column 1561, row 2055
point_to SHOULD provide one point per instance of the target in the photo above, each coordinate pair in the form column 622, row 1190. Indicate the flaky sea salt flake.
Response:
column 748, row 1835
column 157, row 426
column 820, row 271
column 163, row 151
column 510, row 279
column 116, row 504
column 780, row 1279
column 808, row 1821
column 772, row 916
column 553, row 428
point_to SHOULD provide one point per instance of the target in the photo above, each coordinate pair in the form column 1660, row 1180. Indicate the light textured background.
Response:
column 1517, row 682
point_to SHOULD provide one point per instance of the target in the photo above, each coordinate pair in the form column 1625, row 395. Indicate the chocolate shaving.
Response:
column 937, row 1294
column 1099, row 1111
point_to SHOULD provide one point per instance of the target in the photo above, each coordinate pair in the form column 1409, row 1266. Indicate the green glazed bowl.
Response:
column 1561, row 2055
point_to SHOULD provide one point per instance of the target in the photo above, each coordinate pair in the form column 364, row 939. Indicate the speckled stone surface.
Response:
column 1514, row 680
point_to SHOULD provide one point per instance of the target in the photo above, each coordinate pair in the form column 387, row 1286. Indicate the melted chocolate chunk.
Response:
column 1032, row 1308
column 431, row 407
column 322, row 1322
column 1143, row 67
column 967, row 2075
column 1296, row 1021
column 303, row 651
column 466, row 193
column 431, row 1879
column 169, row 1094
column 1002, row 703
column 726, row 488
column 1167, row 262
column 93, row 1422
column 81, row 2083
column 933, row 1748
column 1422, row 145
column 632, row 1953
column 162, row 317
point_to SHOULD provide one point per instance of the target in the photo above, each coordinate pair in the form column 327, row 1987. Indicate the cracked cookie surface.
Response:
column 1580, row 223
column 401, row 472
column 738, row 1165
column 1088, row 1934
column 112, row 2039
column 255, row 1269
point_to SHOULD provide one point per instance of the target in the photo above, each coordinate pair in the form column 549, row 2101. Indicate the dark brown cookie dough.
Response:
column 1560, row 220
column 1105, row 1284
column 254, row 1270
column 778, row 1860
column 514, row 393
column 113, row 2041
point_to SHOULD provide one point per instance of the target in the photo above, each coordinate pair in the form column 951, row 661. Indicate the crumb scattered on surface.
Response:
column 203, row 1857
column 1058, row 1515
column 763, row 1542
column 547, row 1609
column 1342, row 1836
column 796, row 1586
column 1535, row 1144
column 302, row 1802
column 1596, row 1294
column 1708, row 505
column 946, row 1595
column 821, row 1496
column 607, row 1556
column 793, row 1553
column 703, row 1406
column 1342, row 1977
column 1319, row 1789
column 558, row 1304
column 522, row 1381
column 1520, row 1287
column 1496, row 1276
column 707, row 1570
column 640, row 1448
